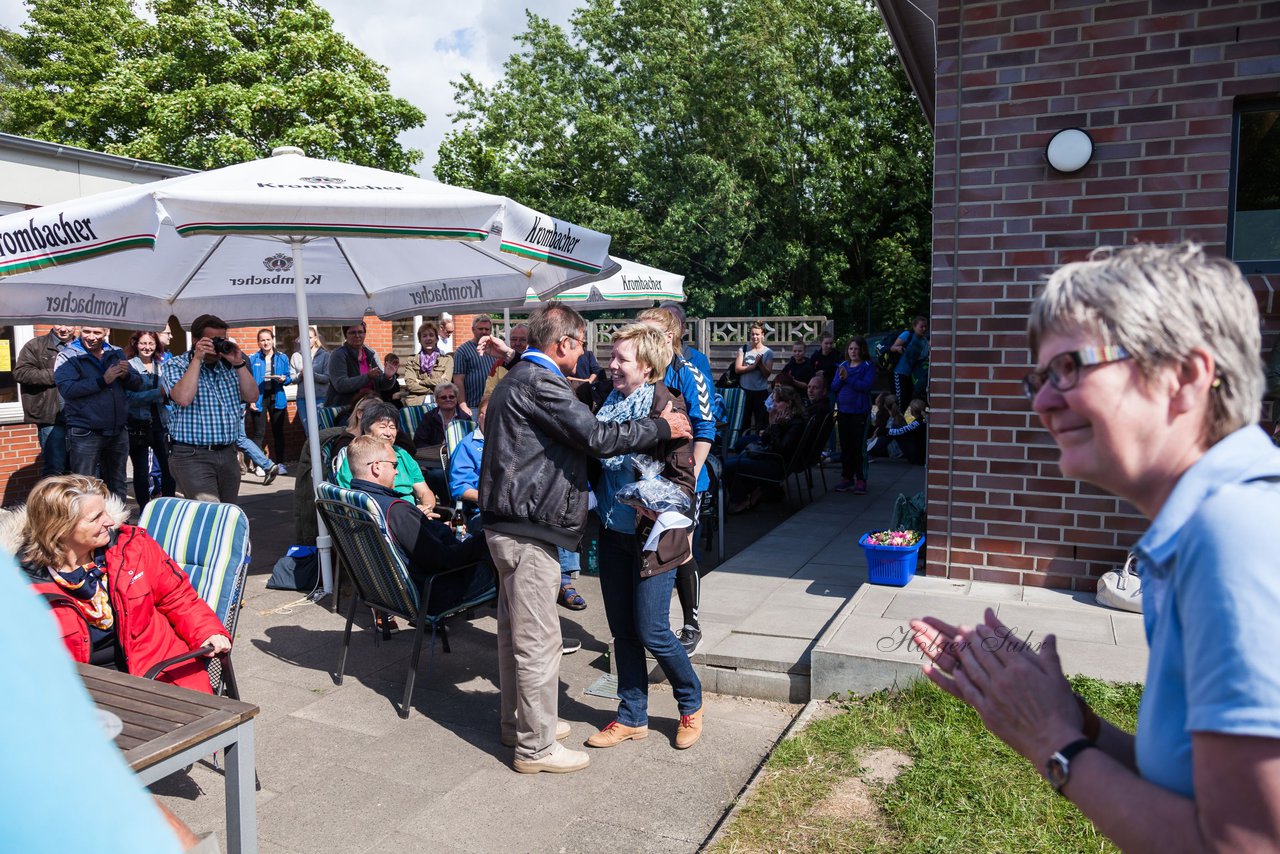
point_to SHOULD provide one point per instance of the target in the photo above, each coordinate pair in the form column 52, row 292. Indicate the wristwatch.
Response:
column 1057, row 770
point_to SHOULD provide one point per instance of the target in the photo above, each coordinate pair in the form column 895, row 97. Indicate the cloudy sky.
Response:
column 423, row 45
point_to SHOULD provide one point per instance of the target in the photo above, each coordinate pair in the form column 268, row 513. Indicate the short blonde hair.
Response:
column 652, row 350
column 665, row 321
column 53, row 509
column 364, row 450
column 1160, row 303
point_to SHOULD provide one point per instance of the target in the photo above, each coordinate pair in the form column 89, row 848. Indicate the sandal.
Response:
column 571, row 599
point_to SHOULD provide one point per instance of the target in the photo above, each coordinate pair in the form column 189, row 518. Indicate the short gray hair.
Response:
column 554, row 321
column 1160, row 303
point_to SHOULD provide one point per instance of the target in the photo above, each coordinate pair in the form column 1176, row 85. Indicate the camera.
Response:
column 222, row 345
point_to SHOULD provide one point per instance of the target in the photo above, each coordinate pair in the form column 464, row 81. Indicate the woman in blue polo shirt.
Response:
column 1149, row 379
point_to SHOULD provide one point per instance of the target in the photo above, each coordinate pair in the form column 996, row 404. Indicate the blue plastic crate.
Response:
column 891, row 565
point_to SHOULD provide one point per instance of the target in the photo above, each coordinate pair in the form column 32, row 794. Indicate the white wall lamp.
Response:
column 1069, row 150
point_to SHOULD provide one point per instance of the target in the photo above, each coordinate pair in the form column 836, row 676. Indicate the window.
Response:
column 8, row 355
column 1253, row 227
column 403, row 341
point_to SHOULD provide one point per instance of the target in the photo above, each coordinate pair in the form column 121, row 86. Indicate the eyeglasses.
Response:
column 392, row 463
column 582, row 342
column 1064, row 369
column 446, row 397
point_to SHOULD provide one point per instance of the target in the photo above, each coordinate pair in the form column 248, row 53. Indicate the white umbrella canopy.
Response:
column 633, row 286
column 220, row 244
column 230, row 242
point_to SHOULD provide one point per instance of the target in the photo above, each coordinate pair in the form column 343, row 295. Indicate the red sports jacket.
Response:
column 158, row 614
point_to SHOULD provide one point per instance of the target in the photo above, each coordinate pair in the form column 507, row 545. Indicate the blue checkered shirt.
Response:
column 475, row 368
column 216, row 415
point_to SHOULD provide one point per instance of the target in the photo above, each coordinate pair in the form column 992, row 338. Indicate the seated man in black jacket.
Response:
column 428, row 546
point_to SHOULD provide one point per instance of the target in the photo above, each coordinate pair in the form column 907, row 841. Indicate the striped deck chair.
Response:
column 411, row 417
column 381, row 577
column 211, row 544
column 328, row 416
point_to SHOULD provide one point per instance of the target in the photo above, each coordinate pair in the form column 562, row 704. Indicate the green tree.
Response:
column 210, row 82
column 770, row 150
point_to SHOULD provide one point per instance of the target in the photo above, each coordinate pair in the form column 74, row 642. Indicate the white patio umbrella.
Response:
column 633, row 286
column 230, row 242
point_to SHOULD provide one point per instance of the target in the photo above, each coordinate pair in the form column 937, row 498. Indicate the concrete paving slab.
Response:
column 803, row 623
column 1091, row 623
column 1103, row 661
column 834, row 573
column 1128, row 629
column 774, row 653
column 341, row 809
column 957, row 610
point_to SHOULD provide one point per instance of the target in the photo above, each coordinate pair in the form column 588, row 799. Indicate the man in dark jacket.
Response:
column 41, row 403
column 92, row 377
column 429, row 546
column 533, row 481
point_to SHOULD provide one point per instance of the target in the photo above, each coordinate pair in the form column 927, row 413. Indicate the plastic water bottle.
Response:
column 593, row 560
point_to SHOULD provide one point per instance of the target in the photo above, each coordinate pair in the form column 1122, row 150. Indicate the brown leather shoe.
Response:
column 616, row 733
column 689, row 731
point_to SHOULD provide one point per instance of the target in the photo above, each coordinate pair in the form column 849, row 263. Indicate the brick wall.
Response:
column 1153, row 82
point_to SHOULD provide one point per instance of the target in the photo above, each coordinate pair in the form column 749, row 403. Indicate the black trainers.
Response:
column 270, row 474
column 690, row 637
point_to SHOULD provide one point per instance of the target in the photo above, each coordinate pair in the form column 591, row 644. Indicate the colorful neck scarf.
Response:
column 87, row 585
column 427, row 361
column 618, row 409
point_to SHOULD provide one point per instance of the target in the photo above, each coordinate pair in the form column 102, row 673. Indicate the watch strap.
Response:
column 1062, row 761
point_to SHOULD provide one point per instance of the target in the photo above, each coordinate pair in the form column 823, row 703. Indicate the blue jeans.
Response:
column 252, row 451
column 53, row 448
column 568, row 565
column 639, row 613
column 90, row 449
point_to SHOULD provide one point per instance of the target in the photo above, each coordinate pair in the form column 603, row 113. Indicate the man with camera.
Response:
column 209, row 386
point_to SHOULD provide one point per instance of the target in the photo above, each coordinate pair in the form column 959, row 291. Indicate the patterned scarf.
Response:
column 618, row 409
column 87, row 585
column 427, row 361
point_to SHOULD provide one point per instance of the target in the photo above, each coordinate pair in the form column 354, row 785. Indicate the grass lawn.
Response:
column 959, row 788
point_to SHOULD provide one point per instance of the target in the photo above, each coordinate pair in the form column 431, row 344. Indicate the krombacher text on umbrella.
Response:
column 33, row 237
column 92, row 304
column 552, row 238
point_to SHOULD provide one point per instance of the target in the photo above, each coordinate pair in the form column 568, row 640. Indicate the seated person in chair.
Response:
column 764, row 454
column 429, row 546
column 382, row 421
column 119, row 600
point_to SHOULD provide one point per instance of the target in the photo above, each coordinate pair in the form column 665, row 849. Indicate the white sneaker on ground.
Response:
column 561, row 760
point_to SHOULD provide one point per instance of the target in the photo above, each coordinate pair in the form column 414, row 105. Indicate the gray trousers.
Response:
column 206, row 475
column 529, row 643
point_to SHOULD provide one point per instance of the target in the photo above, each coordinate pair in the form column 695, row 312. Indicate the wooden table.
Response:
column 167, row 728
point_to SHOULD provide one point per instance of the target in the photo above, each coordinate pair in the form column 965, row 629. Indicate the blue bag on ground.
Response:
column 299, row 569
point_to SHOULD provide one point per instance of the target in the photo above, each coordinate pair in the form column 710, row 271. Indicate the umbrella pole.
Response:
column 324, row 544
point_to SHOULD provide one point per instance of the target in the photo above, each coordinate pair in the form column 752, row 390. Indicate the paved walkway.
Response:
column 787, row 617
column 792, row 618
column 341, row 772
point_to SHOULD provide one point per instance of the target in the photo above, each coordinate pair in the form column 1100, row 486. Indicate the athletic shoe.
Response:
column 859, row 487
column 844, row 486
column 690, row 637
column 568, row 646
column 561, row 760
column 562, row 732
column 271, row 473
column 616, row 733
column 689, row 731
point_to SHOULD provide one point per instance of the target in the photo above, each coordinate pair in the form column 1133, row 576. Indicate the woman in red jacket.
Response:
column 120, row 601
